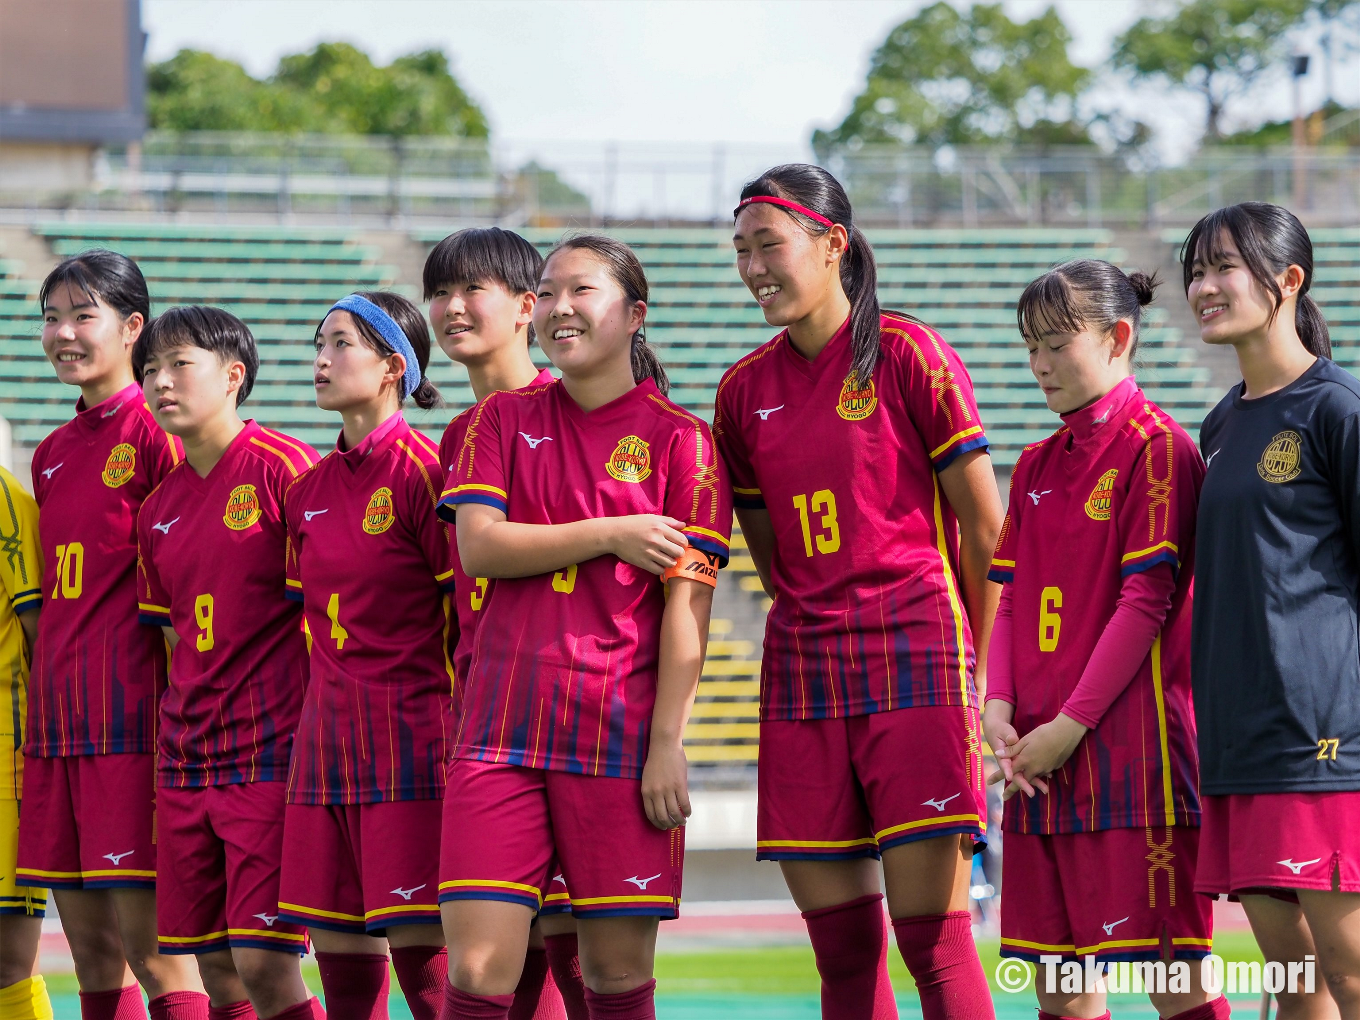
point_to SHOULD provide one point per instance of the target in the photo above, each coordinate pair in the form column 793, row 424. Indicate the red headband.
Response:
column 783, row 203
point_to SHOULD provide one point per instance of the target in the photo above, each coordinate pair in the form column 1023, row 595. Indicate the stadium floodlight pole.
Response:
column 1298, row 68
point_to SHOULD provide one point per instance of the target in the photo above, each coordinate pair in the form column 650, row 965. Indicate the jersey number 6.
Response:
column 1050, row 623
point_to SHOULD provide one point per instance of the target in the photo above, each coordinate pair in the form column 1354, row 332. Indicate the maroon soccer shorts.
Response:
column 837, row 788
column 1274, row 842
column 360, row 868
column 1116, row 894
column 511, row 829
column 89, row 822
column 217, row 875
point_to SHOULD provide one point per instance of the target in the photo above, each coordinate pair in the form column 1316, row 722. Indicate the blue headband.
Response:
column 357, row 304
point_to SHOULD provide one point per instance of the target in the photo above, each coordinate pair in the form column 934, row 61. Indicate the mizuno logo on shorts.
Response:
column 406, row 894
column 641, row 883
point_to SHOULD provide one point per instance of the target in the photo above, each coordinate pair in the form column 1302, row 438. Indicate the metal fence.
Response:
column 408, row 180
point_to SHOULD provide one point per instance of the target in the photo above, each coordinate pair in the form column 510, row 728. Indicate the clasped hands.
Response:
column 1026, row 763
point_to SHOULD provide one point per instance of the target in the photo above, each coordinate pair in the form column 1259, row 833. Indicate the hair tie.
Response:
column 379, row 319
column 784, row 203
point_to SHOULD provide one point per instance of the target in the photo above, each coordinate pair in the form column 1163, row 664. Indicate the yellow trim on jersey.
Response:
column 115, row 873
column 298, row 908
column 147, row 607
column 880, row 836
column 441, row 578
column 1169, row 805
column 1003, row 563
column 473, row 487
column 870, row 841
column 1038, row 945
column 287, row 461
column 976, row 430
column 950, row 589
column 704, row 531
column 294, row 583
column 1140, row 553
column 745, row 492
column 623, row 899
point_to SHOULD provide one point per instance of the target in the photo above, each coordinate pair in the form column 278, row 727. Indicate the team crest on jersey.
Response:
column 379, row 514
column 1100, row 504
column 1280, row 461
column 631, row 460
column 856, row 402
column 120, row 466
column 243, row 508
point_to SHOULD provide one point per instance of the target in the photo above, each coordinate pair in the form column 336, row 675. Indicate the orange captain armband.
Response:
column 695, row 565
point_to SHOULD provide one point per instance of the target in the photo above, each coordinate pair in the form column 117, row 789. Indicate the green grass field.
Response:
column 775, row 984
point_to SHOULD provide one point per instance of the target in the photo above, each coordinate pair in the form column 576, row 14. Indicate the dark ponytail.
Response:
column 815, row 188
column 1085, row 294
column 1270, row 239
column 412, row 323
column 625, row 270
column 113, row 278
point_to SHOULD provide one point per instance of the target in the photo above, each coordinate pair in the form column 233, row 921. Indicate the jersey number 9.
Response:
column 203, row 616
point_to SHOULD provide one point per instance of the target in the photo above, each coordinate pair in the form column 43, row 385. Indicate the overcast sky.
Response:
column 685, row 71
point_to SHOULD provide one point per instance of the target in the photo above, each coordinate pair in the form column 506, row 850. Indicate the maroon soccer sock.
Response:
column 566, row 972
column 179, row 1006
column 242, row 1010
column 850, row 941
column 536, row 996
column 460, row 1005
column 355, row 985
column 309, row 1010
column 939, row 951
column 639, row 1004
column 1214, row 1009
column 422, row 972
column 115, row 1004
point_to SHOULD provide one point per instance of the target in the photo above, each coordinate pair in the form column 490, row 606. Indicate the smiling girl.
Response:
column 598, row 507
column 1275, row 658
column 864, row 490
column 87, row 824
column 1088, row 705
column 369, row 561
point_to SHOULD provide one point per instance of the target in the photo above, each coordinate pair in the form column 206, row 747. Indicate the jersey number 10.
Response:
column 70, row 571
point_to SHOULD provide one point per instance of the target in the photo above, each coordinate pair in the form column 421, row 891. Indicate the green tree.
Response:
column 950, row 77
column 1216, row 48
column 1340, row 21
column 334, row 89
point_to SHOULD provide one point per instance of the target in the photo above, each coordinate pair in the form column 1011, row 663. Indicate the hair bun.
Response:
column 1144, row 285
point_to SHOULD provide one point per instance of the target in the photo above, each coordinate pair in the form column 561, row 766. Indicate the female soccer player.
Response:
column 481, row 285
column 97, row 676
column 369, row 561
column 1088, row 697
column 23, row 993
column 211, row 558
column 862, row 484
column 1275, row 660
column 574, row 495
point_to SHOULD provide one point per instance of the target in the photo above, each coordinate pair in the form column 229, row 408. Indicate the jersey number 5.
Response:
column 70, row 571
column 822, row 499
column 1050, row 623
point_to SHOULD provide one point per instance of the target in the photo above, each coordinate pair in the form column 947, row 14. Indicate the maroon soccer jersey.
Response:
column 97, row 676
column 369, row 560
column 211, row 562
column 1094, row 502
column 469, row 592
column 564, row 665
column 868, row 615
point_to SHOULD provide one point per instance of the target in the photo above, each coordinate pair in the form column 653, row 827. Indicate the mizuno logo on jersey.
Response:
column 938, row 805
column 1296, row 868
column 406, row 894
column 112, row 410
column 48, row 472
column 534, row 443
column 164, row 528
column 1109, row 928
column 641, row 883
column 309, row 514
column 765, row 412
column 1036, row 496
column 1210, row 459
column 268, row 919
column 118, row 858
